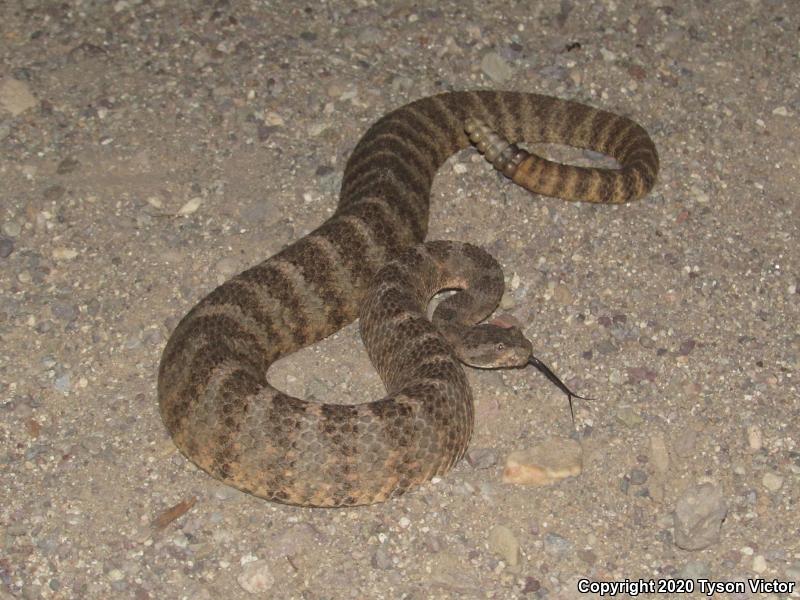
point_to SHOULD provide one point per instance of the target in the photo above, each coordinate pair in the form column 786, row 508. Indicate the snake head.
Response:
column 488, row 346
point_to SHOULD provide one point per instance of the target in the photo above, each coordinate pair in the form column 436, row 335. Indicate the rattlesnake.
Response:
column 213, row 392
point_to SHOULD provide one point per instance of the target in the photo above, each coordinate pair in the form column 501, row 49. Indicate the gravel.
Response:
column 150, row 149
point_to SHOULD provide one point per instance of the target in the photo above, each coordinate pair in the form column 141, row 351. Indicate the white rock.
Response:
column 754, row 437
column 191, row 206
column 256, row 577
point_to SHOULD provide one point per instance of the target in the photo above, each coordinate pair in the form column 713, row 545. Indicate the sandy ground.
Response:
column 148, row 151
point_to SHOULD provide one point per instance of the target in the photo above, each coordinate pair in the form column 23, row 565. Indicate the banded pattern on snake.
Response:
column 213, row 392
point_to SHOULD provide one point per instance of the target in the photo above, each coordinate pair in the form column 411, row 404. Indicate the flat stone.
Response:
column 256, row 577
column 759, row 563
column 453, row 573
column 503, row 543
column 496, row 68
column 16, row 96
column 755, row 438
column 659, row 456
column 190, row 206
column 628, row 416
column 552, row 460
column 698, row 516
column 772, row 482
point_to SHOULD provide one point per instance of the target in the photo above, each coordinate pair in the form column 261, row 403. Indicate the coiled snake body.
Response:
column 213, row 392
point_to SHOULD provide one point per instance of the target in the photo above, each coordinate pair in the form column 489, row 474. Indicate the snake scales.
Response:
column 213, row 392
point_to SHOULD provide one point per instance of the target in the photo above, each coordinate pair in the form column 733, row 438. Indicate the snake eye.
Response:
column 499, row 346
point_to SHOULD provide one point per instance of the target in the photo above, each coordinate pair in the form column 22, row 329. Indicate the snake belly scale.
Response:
column 213, row 392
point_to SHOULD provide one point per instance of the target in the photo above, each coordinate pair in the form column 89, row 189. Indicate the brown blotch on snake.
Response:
column 213, row 391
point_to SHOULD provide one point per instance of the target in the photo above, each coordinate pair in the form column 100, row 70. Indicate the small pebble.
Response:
column 772, row 482
column 793, row 571
column 637, row 476
column 562, row 294
column 531, row 585
column 695, row 569
column 608, row 55
column 453, row 572
column 6, row 247
column 503, row 543
column 381, row 559
column 759, row 563
column 16, row 96
column 684, row 442
column 754, row 437
column 481, row 458
column 256, row 577
column 226, row 267
column 556, row 545
column 11, row 229
column 62, row 383
column 64, row 253
column 190, row 207
column 274, row 119
column 68, row 165
column 370, row 35
column 658, row 453
column 54, row 193
column 628, row 416
column 64, row 311
column 608, row 347
column 496, row 68
column 699, row 195
column 698, row 516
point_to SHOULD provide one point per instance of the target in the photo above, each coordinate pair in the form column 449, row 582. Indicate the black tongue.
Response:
column 557, row 382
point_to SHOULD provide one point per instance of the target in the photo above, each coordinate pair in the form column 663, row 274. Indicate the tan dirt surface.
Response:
column 150, row 149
